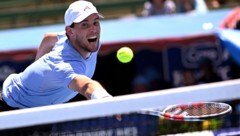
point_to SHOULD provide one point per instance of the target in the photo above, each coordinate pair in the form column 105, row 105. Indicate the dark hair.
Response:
column 72, row 25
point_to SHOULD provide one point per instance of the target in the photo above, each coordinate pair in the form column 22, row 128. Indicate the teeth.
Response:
column 93, row 37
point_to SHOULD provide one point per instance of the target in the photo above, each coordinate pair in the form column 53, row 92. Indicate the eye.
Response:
column 85, row 25
column 96, row 23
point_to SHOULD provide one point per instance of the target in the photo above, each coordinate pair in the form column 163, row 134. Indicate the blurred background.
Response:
column 25, row 13
column 174, row 42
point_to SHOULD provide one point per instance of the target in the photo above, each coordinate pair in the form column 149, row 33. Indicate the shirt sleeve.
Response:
column 67, row 71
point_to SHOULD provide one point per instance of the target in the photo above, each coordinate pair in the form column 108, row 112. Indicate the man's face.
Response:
column 86, row 34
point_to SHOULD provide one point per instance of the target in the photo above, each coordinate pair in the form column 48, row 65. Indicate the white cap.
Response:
column 78, row 11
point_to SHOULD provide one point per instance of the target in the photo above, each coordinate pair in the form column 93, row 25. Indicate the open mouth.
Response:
column 92, row 39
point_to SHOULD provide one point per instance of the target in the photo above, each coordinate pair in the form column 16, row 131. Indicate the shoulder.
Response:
column 61, row 34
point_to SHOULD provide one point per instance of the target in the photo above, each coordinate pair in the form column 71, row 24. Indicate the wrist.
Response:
column 100, row 93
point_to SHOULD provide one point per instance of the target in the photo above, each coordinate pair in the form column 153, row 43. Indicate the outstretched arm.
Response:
column 89, row 88
column 46, row 45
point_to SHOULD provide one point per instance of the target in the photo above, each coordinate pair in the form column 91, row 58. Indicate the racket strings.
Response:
column 196, row 110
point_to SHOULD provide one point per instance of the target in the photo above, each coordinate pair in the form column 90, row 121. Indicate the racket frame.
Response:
column 162, row 113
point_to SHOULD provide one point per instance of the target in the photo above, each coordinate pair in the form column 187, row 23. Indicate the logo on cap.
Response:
column 86, row 8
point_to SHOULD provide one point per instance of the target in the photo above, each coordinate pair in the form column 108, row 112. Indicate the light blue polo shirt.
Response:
column 45, row 82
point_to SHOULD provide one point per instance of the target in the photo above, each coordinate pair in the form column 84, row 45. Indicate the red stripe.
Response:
column 177, row 117
column 200, row 104
column 167, row 115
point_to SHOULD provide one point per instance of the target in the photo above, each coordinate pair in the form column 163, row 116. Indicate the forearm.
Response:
column 89, row 88
column 46, row 45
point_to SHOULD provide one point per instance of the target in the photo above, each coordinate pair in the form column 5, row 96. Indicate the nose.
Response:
column 93, row 28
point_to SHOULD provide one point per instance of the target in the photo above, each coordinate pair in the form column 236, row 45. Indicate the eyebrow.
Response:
column 85, row 20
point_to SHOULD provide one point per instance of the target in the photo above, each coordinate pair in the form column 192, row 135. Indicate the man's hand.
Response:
column 119, row 117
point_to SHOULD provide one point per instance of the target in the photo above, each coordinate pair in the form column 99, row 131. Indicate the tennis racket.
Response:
column 191, row 112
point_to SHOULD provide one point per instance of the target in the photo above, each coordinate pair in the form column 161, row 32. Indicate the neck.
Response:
column 88, row 55
column 85, row 54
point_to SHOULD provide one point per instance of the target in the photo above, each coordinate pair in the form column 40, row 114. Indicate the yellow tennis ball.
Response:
column 125, row 54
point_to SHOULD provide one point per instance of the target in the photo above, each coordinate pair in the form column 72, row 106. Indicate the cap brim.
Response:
column 100, row 15
column 81, row 18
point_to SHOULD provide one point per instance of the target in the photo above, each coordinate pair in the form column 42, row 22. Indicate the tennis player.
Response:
column 66, row 70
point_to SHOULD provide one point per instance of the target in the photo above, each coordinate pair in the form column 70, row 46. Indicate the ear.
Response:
column 69, row 31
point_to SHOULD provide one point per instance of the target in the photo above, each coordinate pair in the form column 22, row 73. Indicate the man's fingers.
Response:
column 119, row 117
